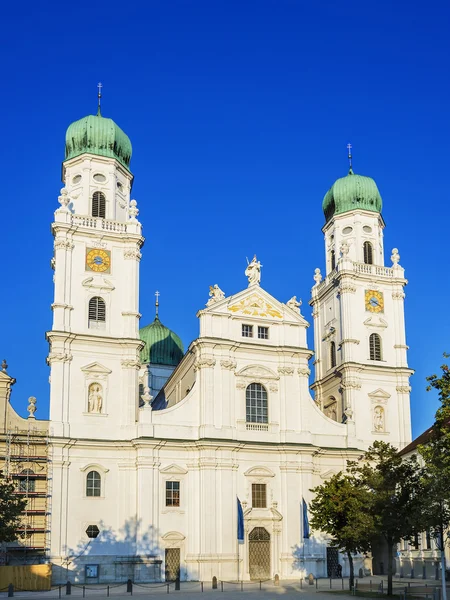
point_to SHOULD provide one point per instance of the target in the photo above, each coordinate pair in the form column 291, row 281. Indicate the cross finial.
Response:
column 157, row 295
column 99, row 96
column 349, row 148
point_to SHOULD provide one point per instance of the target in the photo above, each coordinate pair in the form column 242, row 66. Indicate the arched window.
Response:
column 256, row 403
column 368, row 253
column 332, row 354
column 98, row 204
column 93, row 484
column 25, row 483
column 375, row 346
column 97, row 313
column 333, row 259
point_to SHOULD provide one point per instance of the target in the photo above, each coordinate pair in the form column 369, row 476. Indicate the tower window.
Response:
column 368, row 253
column 259, row 496
column 97, row 313
column 263, row 333
column 375, row 346
column 332, row 354
column 256, row 403
column 93, row 484
column 172, row 493
column 333, row 259
column 247, row 330
column 98, row 205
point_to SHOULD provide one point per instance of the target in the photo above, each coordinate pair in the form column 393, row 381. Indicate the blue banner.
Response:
column 306, row 533
column 240, row 522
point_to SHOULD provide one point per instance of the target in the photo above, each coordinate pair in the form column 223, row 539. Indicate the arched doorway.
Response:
column 259, row 553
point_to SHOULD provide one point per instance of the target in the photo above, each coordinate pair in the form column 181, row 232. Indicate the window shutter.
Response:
column 375, row 346
column 98, row 205
column 97, row 309
column 368, row 253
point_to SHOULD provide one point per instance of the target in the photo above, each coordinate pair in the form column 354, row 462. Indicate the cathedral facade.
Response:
column 155, row 450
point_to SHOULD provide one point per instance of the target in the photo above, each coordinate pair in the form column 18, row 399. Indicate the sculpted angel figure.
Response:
column 215, row 294
column 253, row 271
column 294, row 304
column 95, row 398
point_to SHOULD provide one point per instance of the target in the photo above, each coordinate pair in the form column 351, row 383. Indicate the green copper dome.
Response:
column 100, row 136
column 349, row 193
column 162, row 346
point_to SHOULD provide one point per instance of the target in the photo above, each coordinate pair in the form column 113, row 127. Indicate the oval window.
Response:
column 367, row 229
column 347, row 230
column 119, row 186
column 76, row 179
column 99, row 177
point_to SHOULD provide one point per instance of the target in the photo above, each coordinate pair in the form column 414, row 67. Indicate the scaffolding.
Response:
column 27, row 466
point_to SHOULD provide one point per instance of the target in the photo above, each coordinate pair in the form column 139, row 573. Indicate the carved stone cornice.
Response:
column 202, row 363
column 398, row 295
column 59, row 357
column 61, row 305
column 304, row 371
column 286, row 370
column 132, row 253
column 63, row 244
column 346, row 287
column 130, row 363
column 403, row 389
column 228, row 364
column 351, row 384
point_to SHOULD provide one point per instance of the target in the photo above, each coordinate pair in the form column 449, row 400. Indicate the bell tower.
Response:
column 94, row 341
column 361, row 369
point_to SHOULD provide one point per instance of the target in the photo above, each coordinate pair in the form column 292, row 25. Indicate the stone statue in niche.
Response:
column 331, row 412
column 95, row 400
column 253, row 271
column 378, row 419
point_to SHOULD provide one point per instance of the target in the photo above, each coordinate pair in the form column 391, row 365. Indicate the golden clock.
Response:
column 98, row 260
column 374, row 301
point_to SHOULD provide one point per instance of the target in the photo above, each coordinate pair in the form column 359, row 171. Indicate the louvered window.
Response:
column 97, row 312
column 332, row 354
column 375, row 346
column 98, row 205
column 368, row 253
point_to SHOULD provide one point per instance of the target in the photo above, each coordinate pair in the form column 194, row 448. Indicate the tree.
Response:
column 11, row 507
column 436, row 457
column 395, row 487
column 340, row 509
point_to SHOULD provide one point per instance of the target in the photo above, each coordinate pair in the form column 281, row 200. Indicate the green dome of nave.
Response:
column 349, row 193
column 97, row 135
column 162, row 345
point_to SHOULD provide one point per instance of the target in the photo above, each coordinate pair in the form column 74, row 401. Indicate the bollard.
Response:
column 10, row 590
column 312, row 581
column 168, row 586
column 342, row 579
column 107, row 591
column 242, row 586
column 301, row 583
column 221, row 585
column 412, row 573
column 201, row 583
column 130, row 586
column 214, row 583
column 330, row 583
column 177, row 583
column 424, row 571
column 277, row 580
column 59, row 592
column 84, row 592
column 370, row 585
column 68, row 588
column 260, row 584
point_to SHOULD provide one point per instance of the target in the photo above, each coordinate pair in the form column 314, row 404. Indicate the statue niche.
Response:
column 95, row 398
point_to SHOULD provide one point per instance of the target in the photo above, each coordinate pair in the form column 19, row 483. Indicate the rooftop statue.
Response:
column 253, row 271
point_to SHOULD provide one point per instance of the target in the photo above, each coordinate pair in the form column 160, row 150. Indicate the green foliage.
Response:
column 11, row 507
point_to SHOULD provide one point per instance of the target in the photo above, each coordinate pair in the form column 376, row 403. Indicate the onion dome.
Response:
column 162, row 345
column 100, row 136
column 350, row 193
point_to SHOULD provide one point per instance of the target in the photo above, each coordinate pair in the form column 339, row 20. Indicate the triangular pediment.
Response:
column 379, row 394
column 96, row 367
column 255, row 302
column 173, row 470
column 328, row 474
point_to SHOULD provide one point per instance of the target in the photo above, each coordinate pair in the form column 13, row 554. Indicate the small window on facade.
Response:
column 98, row 205
column 247, row 330
column 25, row 483
column 93, row 484
column 333, row 259
column 428, row 539
column 92, row 531
column 332, row 354
column 263, row 333
column 256, row 403
column 172, row 493
column 259, row 495
column 375, row 347
column 416, row 542
column 97, row 311
column 368, row 253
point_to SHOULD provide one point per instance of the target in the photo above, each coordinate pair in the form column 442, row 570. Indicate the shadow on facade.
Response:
column 113, row 556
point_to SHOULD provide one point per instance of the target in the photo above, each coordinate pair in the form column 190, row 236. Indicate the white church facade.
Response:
column 151, row 446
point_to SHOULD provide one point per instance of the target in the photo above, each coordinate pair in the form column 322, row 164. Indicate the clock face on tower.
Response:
column 98, row 260
column 374, row 301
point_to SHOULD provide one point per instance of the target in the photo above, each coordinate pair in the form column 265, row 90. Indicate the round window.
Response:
column 367, row 229
column 99, row 177
column 347, row 230
column 76, row 179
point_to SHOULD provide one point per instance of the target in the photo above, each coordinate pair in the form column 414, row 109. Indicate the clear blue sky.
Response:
column 239, row 112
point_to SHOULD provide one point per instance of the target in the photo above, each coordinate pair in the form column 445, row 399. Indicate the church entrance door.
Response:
column 172, row 564
column 259, row 553
column 332, row 562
